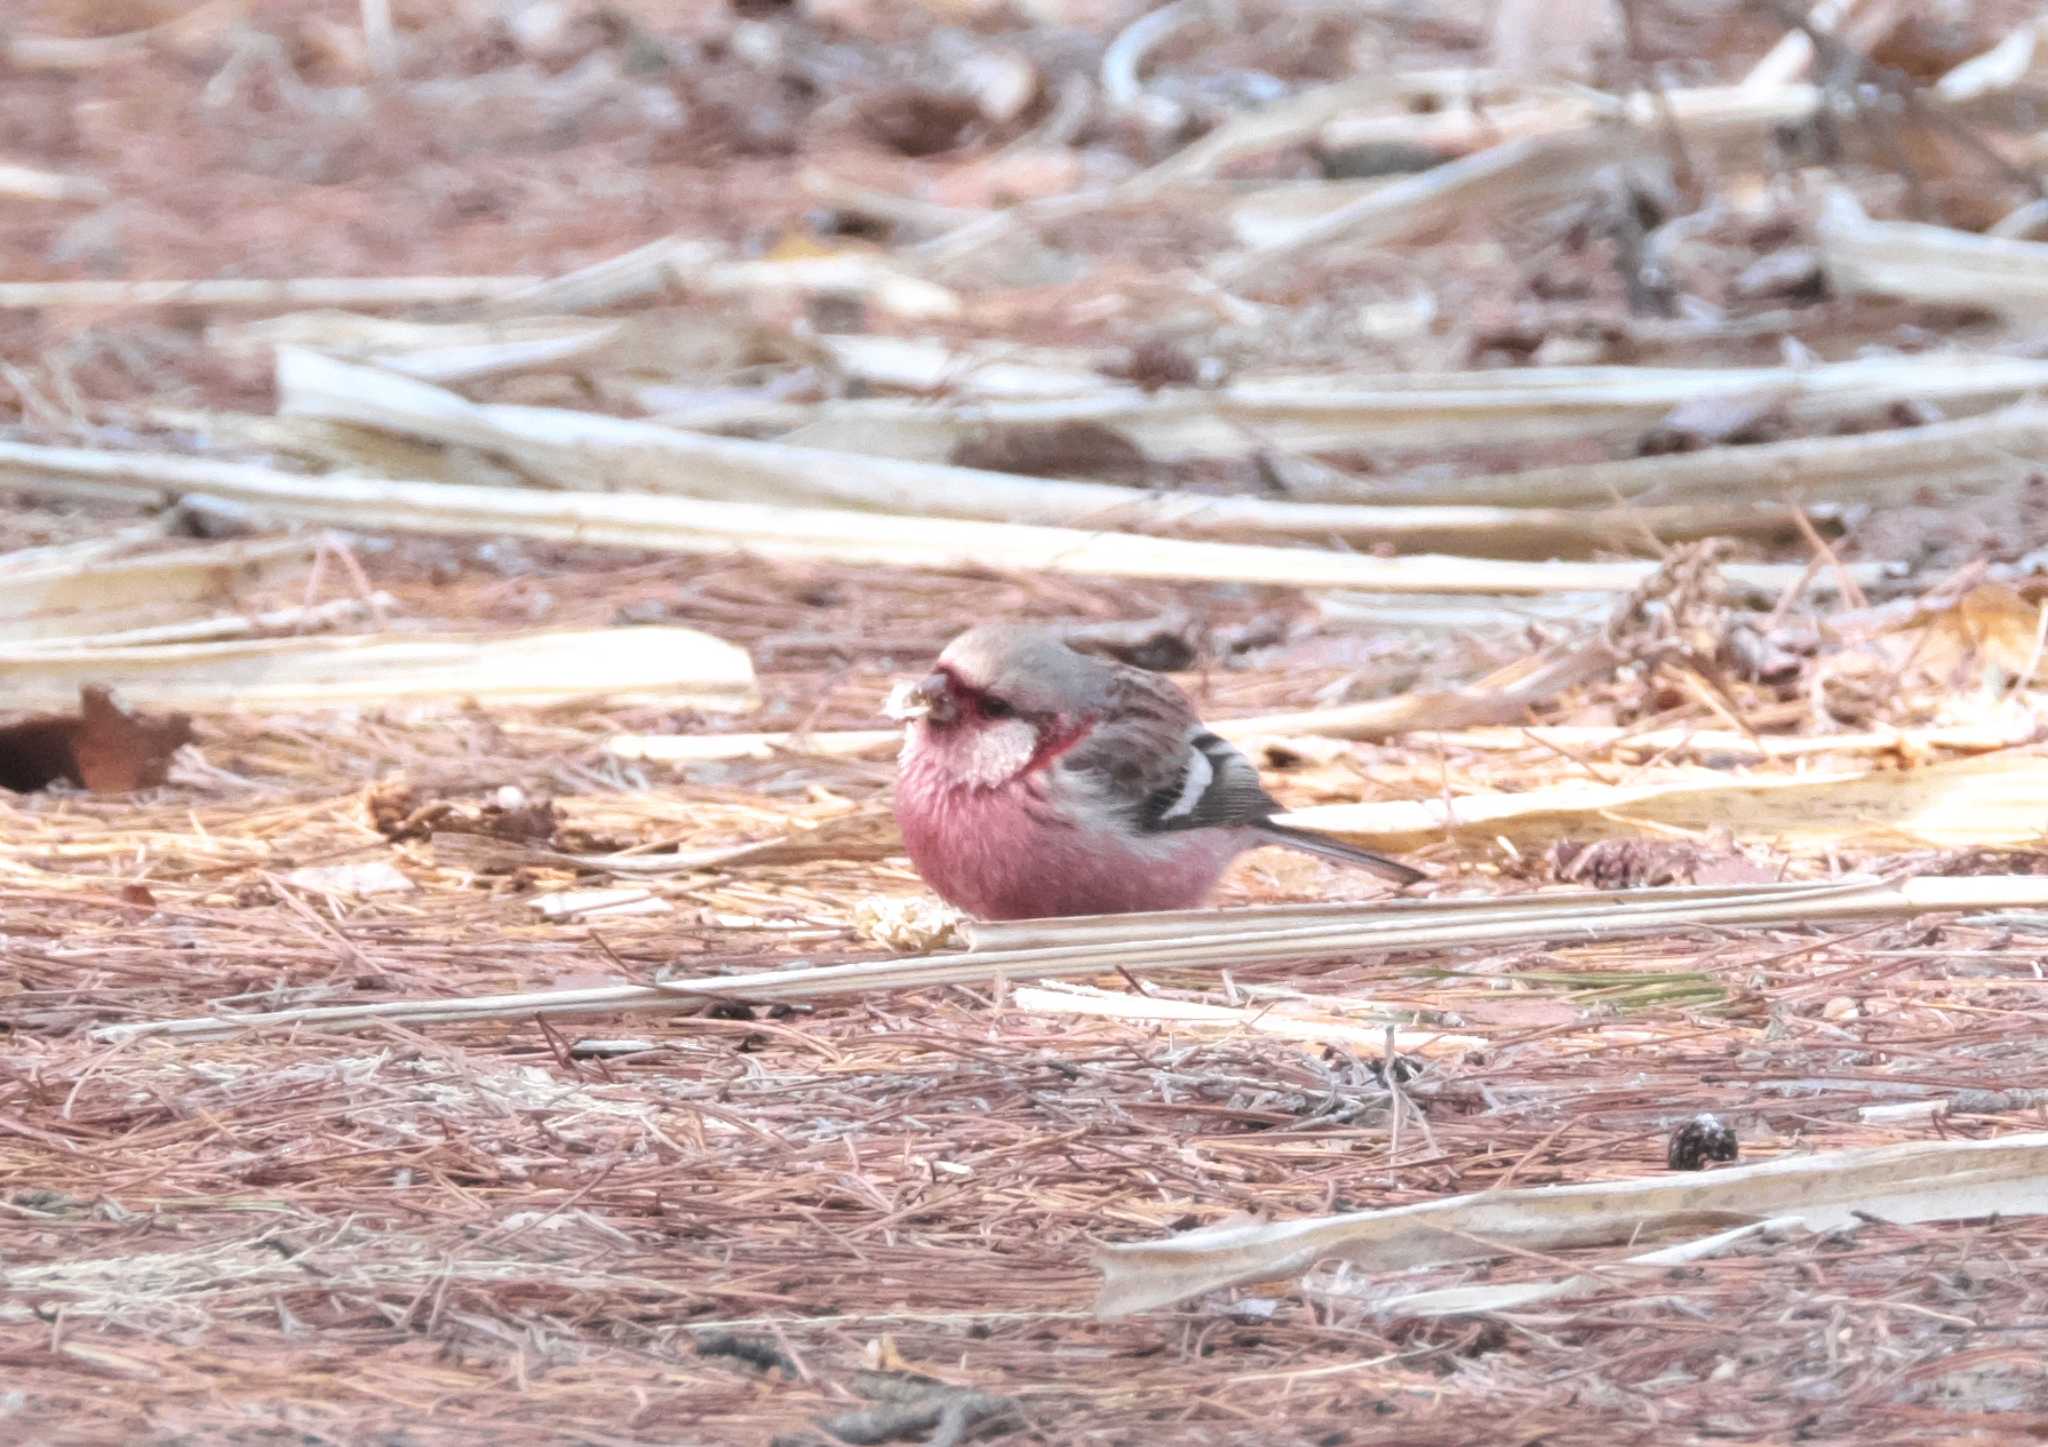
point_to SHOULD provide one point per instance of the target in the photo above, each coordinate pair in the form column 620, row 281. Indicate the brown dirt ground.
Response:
column 757, row 1225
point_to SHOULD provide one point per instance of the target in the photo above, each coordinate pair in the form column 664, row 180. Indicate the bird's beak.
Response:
column 930, row 698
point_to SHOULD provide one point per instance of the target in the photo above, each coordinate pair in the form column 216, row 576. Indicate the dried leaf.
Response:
column 1930, row 263
column 1057, row 449
column 687, row 525
column 1994, row 799
column 104, row 748
column 2001, row 624
column 400, row 810
column 1921, row 1181
column 667, row 665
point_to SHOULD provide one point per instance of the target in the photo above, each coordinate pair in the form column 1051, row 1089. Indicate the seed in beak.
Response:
column 906, row 703
column 930, row 698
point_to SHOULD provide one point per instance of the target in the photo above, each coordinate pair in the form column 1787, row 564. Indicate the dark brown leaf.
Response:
column 103, row 749
column 1058, row 449
column 919, row 122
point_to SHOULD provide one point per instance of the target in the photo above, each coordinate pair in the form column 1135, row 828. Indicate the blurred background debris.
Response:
column 470, row 474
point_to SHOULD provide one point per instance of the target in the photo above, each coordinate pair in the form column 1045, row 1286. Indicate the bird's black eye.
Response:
column 993, row 707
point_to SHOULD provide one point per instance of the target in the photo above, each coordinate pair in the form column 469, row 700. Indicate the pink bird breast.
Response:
column 1003, row 852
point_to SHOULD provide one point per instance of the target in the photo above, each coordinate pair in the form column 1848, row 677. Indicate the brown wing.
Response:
column 1150, row 761
column 1152, row 766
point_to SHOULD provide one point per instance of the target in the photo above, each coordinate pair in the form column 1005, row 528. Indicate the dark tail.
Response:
column 1336, row 849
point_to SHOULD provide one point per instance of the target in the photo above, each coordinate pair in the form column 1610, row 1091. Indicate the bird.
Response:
column 1038, row 780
